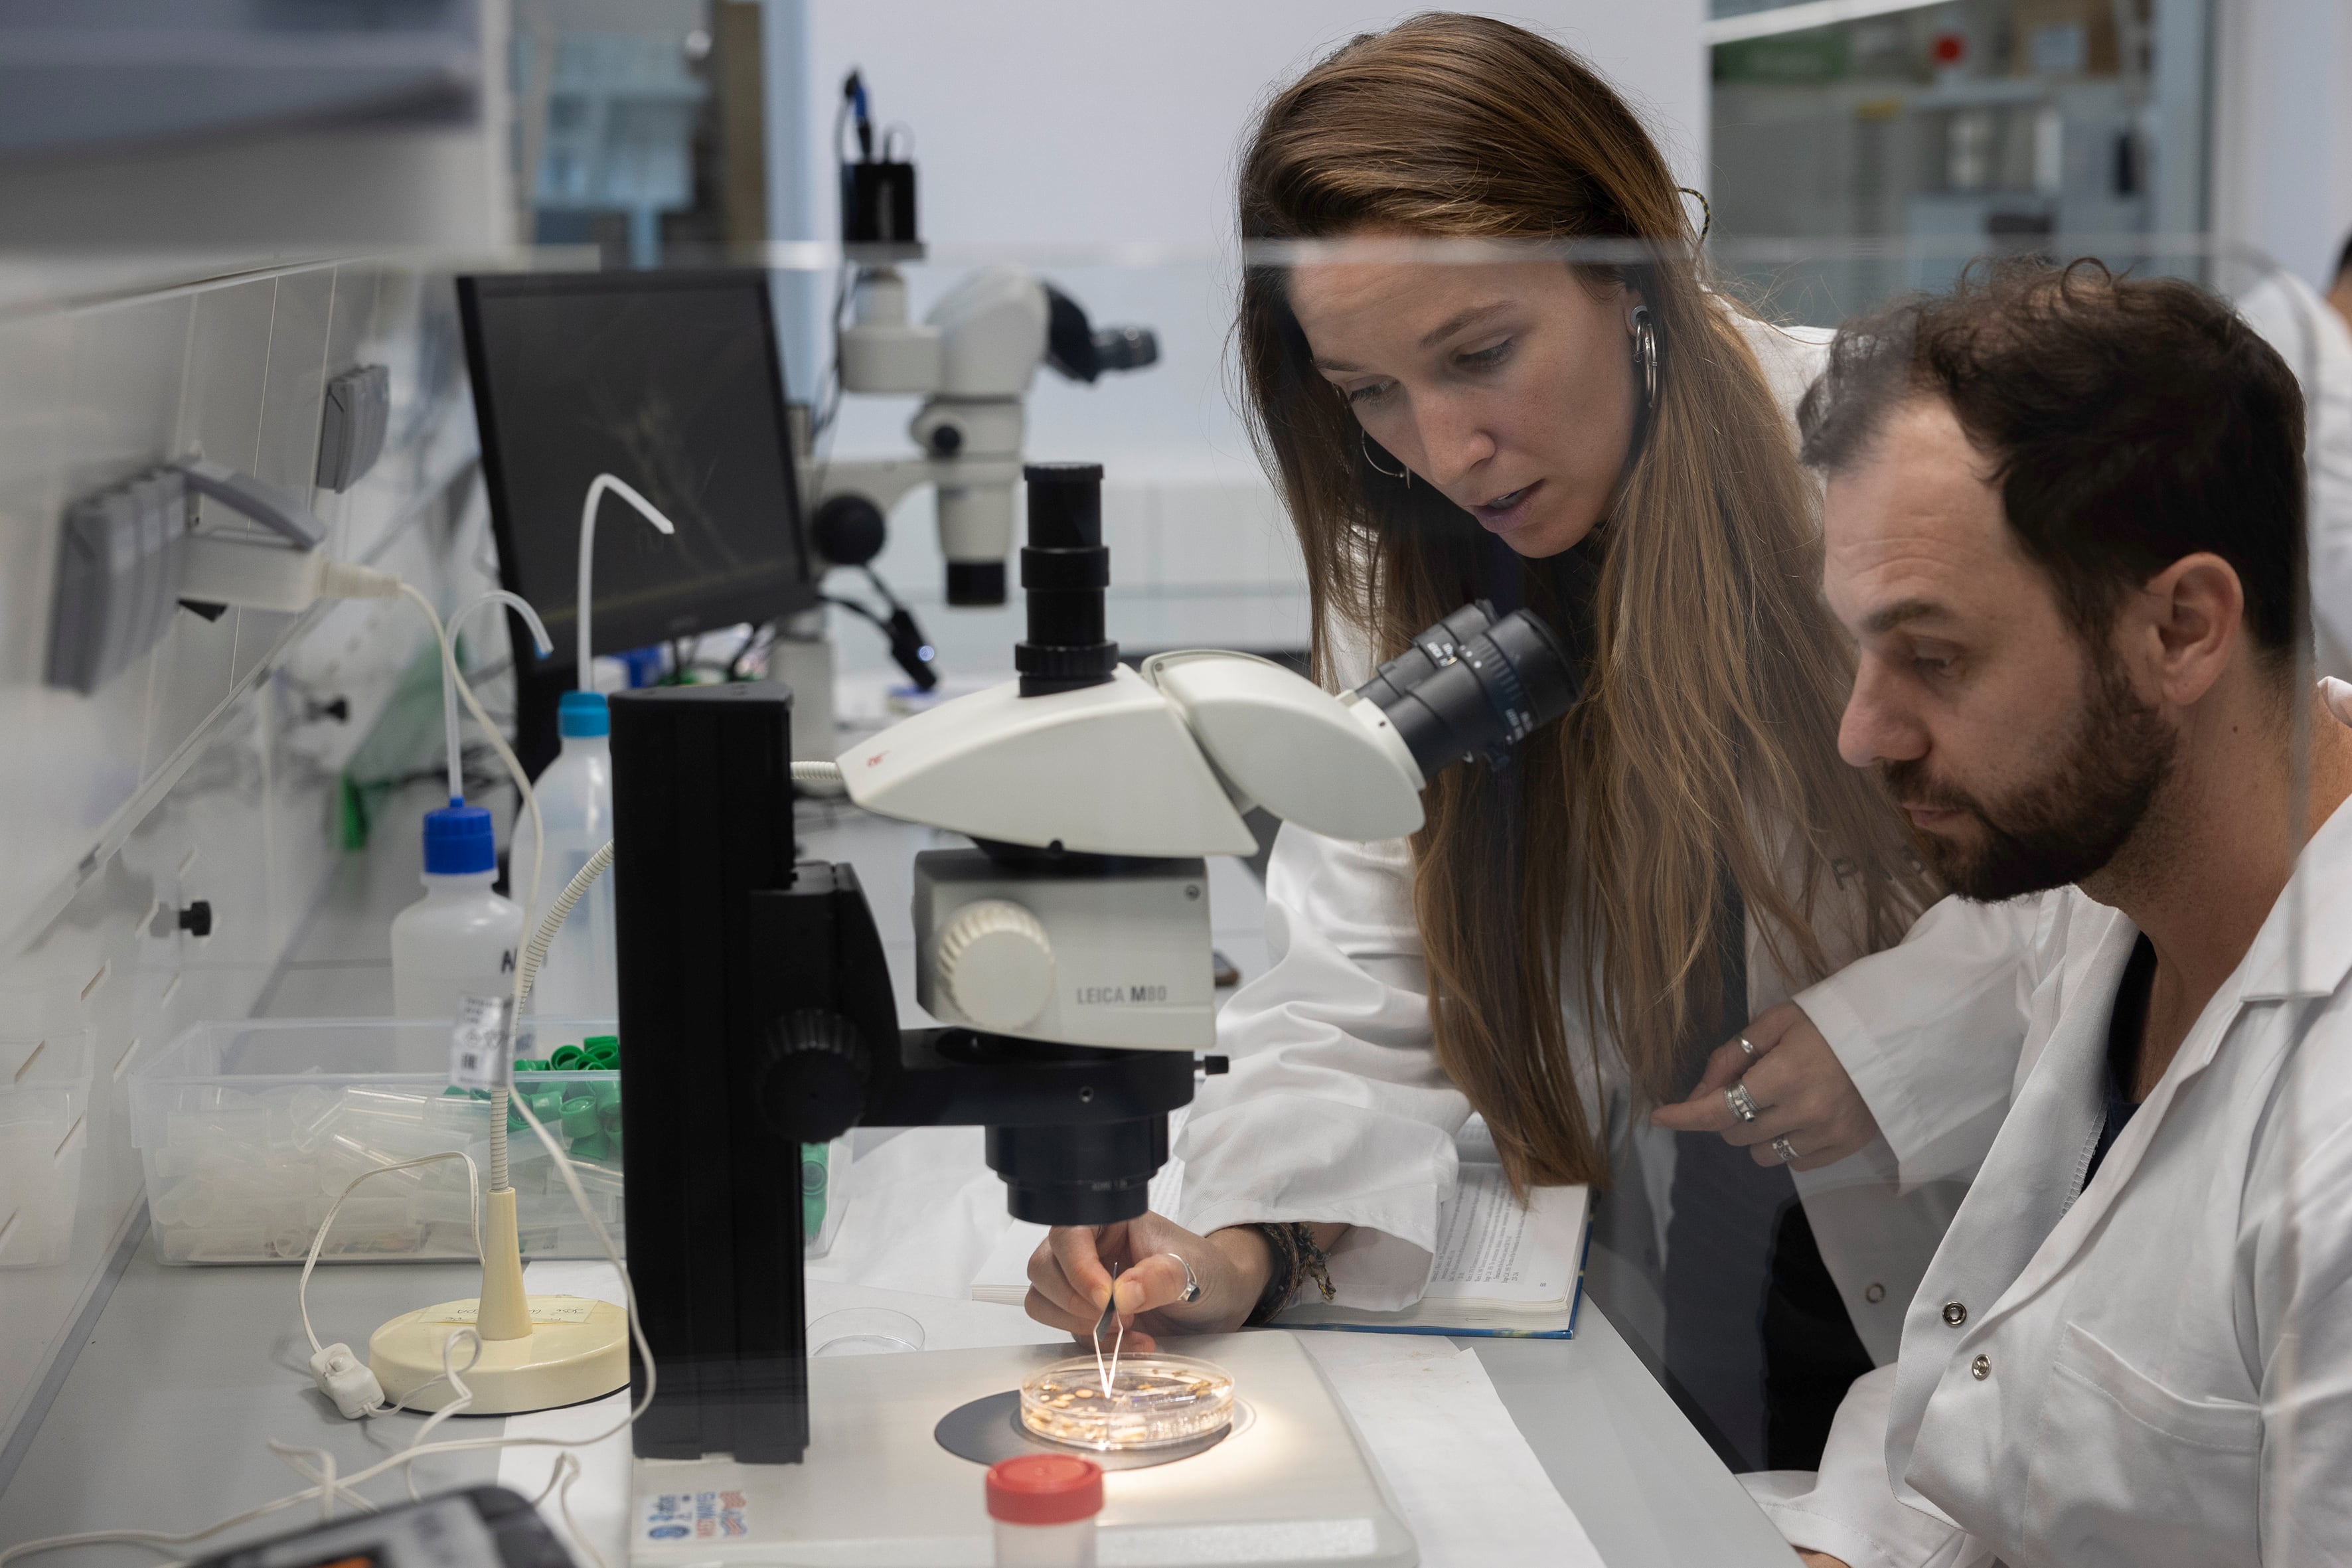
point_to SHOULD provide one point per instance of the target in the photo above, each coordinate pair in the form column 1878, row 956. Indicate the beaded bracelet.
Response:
column 1295, row 1258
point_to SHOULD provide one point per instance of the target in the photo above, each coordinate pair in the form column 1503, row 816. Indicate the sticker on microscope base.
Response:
column 693, row 1516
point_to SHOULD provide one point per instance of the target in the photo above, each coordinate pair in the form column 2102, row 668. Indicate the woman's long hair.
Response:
column 1704, row 744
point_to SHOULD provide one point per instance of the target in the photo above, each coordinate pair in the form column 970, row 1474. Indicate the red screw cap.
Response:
column 1045, row 1488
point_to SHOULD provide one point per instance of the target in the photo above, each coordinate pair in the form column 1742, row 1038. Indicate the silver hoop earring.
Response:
column 1645, row 354
column 1364, row 439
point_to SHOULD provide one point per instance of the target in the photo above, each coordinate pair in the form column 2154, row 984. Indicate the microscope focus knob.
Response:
column 996, row 964
column 811, row 1085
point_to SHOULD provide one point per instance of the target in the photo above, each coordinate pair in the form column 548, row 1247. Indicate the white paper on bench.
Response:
column 1475, row 1494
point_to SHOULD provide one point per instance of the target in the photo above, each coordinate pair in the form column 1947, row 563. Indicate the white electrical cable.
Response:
column 452, row 1375
column 568, row 1466
column 474, row 1192
column 490, row 729
column 448, row 708
column 451, row 681
column 534, row 953
column 817, row 772
column 324, row 1474
column 326, row 1486
column 597, row 487
column 159, row 1539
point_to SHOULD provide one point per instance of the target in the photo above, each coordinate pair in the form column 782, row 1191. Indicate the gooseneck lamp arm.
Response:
column 597, row 487
column 545, row 644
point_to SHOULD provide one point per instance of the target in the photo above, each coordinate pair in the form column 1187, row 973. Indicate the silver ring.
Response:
column 1786, row 1150
column 1747, row 1047
column 1192, row 1286
column 1743, row 1104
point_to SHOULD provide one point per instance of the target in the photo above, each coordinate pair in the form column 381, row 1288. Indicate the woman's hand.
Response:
column 1802, row 1091
column 1069, row 1278
column 1819, row 1559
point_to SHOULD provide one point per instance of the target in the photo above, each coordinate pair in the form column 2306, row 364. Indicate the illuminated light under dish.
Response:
column 1154, row 1401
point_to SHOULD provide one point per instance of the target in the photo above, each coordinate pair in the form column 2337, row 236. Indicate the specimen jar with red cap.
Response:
column 1044, row 1506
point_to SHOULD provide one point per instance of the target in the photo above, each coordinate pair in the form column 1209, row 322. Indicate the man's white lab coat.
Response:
column 2154, row 1369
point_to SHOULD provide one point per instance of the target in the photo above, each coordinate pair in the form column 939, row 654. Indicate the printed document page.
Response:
column 1490, row 1250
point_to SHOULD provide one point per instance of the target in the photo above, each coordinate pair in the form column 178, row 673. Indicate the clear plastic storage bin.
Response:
column 249, row 1129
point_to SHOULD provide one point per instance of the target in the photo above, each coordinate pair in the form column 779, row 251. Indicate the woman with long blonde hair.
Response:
column 1567, row 420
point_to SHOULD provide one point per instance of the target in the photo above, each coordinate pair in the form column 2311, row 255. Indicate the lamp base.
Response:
column 578, row 1348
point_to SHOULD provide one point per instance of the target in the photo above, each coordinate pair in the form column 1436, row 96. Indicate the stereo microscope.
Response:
column 1065, row 955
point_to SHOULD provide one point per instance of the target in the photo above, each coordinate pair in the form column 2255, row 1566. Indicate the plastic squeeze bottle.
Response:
column 575, row 802
column 1044, row 1506
column 461, row 939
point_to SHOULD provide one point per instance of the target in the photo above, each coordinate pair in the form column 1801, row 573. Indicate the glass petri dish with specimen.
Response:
column 1152, row 1402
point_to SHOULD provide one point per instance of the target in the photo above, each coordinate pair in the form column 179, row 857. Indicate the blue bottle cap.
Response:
column 459, row 839
column 583, row 714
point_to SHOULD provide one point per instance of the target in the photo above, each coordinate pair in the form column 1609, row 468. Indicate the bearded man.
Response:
column 2064, row 526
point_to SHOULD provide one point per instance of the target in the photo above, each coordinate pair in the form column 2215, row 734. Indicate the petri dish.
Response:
column 1153, row 1401
column 863, row 1330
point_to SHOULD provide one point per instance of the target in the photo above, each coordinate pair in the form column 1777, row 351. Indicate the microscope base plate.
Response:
column 875, row 1489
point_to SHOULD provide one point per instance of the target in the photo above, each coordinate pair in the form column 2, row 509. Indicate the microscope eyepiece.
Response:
column 1084, row 352
column 1063, row 570
column 1125, row 348
column 1473, row 685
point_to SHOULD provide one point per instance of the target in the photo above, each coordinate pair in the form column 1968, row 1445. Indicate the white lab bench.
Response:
column 182, row 1374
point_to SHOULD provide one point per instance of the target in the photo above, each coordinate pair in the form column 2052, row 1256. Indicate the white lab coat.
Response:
column 2154, row 1369
column 1336, row 1108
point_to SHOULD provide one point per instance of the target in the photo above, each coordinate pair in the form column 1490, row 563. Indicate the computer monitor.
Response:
column 670, row 381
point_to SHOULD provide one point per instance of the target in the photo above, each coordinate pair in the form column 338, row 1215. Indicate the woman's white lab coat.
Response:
column 1336, row 1109
column 2155, row 1369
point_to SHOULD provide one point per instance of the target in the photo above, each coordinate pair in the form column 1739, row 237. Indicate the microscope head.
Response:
column 973, row 357
column 1094, row 791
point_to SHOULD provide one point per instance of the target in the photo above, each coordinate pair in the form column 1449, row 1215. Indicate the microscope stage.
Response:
column 1291, row 1489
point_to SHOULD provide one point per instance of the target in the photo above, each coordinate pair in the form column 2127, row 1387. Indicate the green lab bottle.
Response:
column 812, row 1175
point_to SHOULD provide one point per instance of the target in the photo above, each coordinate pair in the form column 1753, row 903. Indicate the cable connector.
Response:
column 348, row 580
column 261, row 577
column 345, row 1379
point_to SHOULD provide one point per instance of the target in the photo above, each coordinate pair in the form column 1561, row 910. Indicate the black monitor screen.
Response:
column 669, row 382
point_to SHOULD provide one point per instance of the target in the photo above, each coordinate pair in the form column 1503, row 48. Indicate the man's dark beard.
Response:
column 2071, row 823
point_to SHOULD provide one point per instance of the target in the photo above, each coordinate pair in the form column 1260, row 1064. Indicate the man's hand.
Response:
column 1802, row 1092
column 1069, row 1278
column 1819, row 1559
